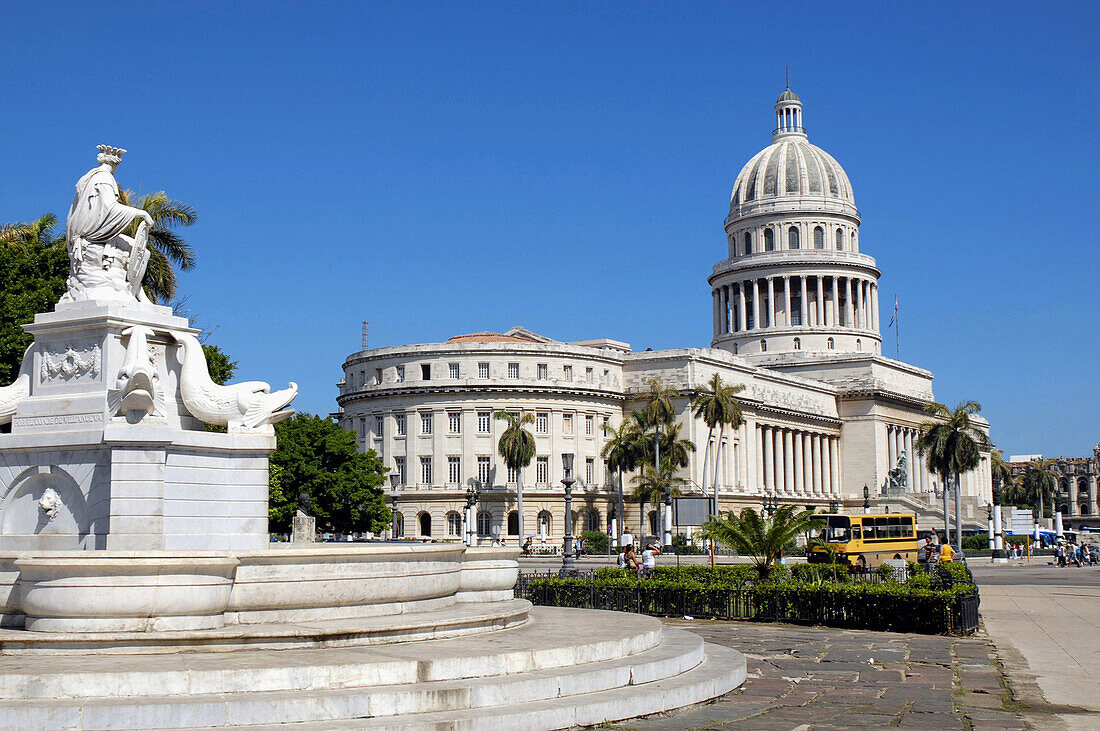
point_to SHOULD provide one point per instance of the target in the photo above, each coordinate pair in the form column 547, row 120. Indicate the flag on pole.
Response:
column 894, row 317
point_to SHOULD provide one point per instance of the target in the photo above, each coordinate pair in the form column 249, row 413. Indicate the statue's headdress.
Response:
column 109, row 154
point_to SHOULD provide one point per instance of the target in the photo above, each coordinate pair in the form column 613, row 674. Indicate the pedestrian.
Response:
column 927, row 551
column 649, row 559
column 631, row 558
column 947, row 553
column 527, row 546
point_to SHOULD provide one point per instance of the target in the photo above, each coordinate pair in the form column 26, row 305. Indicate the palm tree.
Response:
column 649, row 487
column 719, row 408
column 618, row 454
column 517, row 449
column 166, row 247
column 39, row 233
column 952, row 445
column 762, row 539
column 659, row 401
column 1040, row 480
column 999, row 469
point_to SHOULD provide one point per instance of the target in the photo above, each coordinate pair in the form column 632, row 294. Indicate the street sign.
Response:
column 692, row 510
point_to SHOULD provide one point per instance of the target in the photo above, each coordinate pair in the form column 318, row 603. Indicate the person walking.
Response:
column 947, row 553
column 649, row 559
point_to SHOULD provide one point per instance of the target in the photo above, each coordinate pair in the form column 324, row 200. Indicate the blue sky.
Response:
column 446, row 168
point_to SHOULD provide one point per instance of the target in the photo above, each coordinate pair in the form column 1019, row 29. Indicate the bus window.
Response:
column 907, row 527
column 837, row 529
column 856, row 532
column 894, row 527
column 881, row 529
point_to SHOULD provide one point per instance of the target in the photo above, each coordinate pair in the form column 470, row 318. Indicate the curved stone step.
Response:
column 453, row 620
column 554, row 638
column 677, row 654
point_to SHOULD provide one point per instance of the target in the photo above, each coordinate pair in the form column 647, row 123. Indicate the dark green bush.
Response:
column 683, row 547
column 979, row 542
column 596, row 542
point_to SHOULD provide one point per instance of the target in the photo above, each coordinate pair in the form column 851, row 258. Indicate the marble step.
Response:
column 454, row 620
column 722, row 670
column 677, row 654
column 553, row 638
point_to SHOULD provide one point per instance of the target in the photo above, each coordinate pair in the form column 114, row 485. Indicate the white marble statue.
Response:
column 20, row 389
column 105, row 263
column 50, row 503
column 247, row 406
column 137, row 379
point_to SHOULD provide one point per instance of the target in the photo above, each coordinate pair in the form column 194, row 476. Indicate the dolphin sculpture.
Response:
column 138, row 376
column 11, row 395
column 247, row 406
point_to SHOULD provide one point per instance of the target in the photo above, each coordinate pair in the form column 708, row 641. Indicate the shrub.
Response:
column 979, row 542
column 596, row 542
column 684, row 547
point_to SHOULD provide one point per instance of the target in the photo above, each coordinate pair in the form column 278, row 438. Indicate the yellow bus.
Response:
column 867, row 540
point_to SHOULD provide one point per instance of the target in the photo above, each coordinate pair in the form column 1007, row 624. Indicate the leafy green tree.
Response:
column 166, row 247
column 619, row 455
column 517, row 448
column 33, row 268
column 762, row 539
column 319, row 463
column 217, row 362
column 659, row 400
column 1039, row 483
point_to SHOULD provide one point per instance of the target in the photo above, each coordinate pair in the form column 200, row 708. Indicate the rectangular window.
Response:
column 543, row 371
column 452, row 371
column 454, row 470
column 425, row 423
column 400, row 374
column 588, row 375
column 425, row 470
column 542, row 422
column 542, row 470
column 484, row 422
column 604, row 380
column 379, row 427
column 589, row 471
column 513, row 476
column 513, row 370
column 399, row 420
column 567, row 424
column 589, row 425
column 567, row 372
column 378, row 375
column 399, row 465
column 606, row 423
column 454, row 422
column 425, row 371
column 483, row 467
column 482, row 370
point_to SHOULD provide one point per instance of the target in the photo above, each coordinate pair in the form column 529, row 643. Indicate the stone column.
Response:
column 820, row 281
column 1092, row 493
column 780, row 475
column 788, row 463
column 816, row 446
column 771, row 302
column 787, row 296
column 803, row 305
column 759, row 449
column 807, row 463
column 756, row 304
column 826, row 467
column 797, row 469
column 909, row 460
column 742, row 313
column 834, row 463
column 849, row 303
column 891, row 457
column 769, row 464
column 874, row 305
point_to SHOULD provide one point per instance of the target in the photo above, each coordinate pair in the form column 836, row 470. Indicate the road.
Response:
column 1045, row 621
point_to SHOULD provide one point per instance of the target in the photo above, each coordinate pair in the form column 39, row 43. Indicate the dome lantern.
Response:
column 788, row 116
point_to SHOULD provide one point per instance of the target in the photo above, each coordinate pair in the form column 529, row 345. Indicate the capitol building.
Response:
column 795, row 321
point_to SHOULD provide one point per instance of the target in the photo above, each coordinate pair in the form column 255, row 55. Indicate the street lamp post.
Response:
column 473, row 494
column 771, row 504
column 394, row 496
column 866, row 500
column 834, row 506
column 567, row 567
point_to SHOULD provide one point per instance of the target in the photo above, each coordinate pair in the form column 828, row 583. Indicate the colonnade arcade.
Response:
column 793, row 462
column 807, row 300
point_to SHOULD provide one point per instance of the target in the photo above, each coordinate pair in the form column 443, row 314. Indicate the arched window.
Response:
column 763, row 345
column 819, row 237
column 399, row 526
column 798, row 344
column 484, row 521
column 830, row 344
column 840, row 239
column 425, row 521
column 592, row 519
column 513, row 523
column 859, row 344
column 544, row 523
column 769, row 240
column 748, row 242
column 454, row 524
column 1085, row 509
column 653, row 522
column 792, row 238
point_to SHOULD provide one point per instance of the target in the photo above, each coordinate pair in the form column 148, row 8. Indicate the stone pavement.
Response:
column 809, row 678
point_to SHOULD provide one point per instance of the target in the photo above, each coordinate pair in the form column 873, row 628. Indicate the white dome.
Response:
column 790, row 168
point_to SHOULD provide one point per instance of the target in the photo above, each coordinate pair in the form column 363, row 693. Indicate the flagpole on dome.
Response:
column 894, row 324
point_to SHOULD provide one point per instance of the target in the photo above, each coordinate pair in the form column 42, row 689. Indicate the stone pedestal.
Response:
column 304, row 529
column 103, row 453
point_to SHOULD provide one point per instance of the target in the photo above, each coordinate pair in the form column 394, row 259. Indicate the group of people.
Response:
column 930, row 552
column 1077, row 554
column 629, row 559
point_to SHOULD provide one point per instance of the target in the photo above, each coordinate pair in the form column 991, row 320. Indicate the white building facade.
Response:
column 796, row 322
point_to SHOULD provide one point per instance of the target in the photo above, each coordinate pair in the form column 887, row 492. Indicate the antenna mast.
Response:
column 366, row 333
